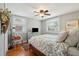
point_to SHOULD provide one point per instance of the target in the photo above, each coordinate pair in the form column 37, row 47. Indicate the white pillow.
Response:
column 73, row 37
column 62, row 36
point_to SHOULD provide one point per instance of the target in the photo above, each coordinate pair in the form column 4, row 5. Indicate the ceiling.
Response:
column 55, row 9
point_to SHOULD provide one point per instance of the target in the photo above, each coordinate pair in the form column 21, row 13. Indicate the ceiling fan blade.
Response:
column 46, row 11
column 47, row 14
column 36, row 12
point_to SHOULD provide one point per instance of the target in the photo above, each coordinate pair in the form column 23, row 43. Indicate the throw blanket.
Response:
column 48, row 45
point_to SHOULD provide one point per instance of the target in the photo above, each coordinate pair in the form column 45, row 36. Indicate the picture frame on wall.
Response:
column 53, row 26
column 70, row 25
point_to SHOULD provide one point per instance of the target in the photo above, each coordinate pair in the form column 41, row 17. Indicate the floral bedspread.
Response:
column 48, row 45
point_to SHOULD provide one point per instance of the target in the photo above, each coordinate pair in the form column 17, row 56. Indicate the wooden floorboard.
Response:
column 24, row 50
column 19, row 51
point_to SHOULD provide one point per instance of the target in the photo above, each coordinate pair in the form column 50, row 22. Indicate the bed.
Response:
column 47, row 44
column 63, row 44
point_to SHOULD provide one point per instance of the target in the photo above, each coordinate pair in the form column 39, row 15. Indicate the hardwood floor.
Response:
column 20, row 51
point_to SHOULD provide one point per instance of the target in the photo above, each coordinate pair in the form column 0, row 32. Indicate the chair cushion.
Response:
column 73, row 38
column 73, row 51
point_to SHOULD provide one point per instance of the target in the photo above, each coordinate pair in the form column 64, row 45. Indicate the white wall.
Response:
column 68, row 17
column 1, row 44
column 43, row 27
column 63, row 19
column 33, row 24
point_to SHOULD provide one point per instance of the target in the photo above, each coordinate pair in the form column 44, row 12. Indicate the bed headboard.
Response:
column 72, row 25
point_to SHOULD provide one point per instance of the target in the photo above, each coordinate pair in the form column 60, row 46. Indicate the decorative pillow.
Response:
column 78, row 46
column 62, row 36
column 73, row 38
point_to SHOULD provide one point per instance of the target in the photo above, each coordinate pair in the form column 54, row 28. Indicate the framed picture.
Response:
column 52, row 25
column 70, row 25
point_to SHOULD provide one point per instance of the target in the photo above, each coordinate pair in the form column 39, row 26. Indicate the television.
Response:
column 34, row 29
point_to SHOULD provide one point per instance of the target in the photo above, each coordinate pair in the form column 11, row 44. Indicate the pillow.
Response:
column 78, row 45
column 73, row 38
column 62, row 36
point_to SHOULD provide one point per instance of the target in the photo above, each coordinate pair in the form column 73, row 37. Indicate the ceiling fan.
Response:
column 42, row 13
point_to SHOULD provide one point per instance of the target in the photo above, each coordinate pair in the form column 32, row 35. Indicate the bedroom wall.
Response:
column 30, row 23
column 62, row 20
column 1, row 44
column 43, row 26
column 33, row 23
column 68, row 17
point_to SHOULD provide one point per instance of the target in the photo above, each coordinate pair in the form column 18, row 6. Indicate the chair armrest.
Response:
column 73, row 51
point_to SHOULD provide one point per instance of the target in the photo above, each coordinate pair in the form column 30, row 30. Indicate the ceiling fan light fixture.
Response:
column 42, row 13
